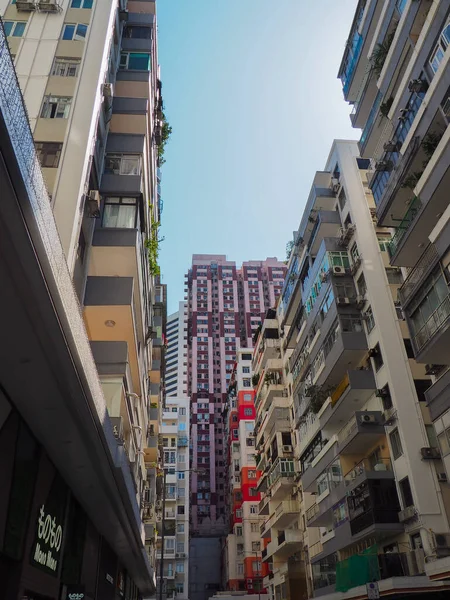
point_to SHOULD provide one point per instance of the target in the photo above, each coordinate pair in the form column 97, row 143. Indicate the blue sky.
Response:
column 251, row 92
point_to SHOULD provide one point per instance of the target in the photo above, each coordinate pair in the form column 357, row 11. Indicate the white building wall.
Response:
column 176, row 380
column 395, row 371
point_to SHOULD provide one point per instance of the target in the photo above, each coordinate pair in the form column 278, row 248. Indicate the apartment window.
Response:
column 254, row 527
column 383, row 243
column 181, row 492
column 252, row 474
column 123, row 164
column 354, row 253
column 248, row 412
column 370, row 321
column 396, row 444
column 394, row 276
column 253, row 509
column 237, row 479
column 439, row 51
column 180, row 511
column 120, row 213
column 182, row 411
column 56, row 107
column 361, row 283
column 179, row 588
column 14, row 28
column 246, row 383
column 48, row 153
column 444, row 441
column 74, row 31
column 431, row 435
column 239, row 531
column 135, row 61
column 377, row 357
column 81, row 3
column 180, row 545
column 181, row 458
column 66, row 67
column 239, row 513
column 406, row 492
column 240, row 568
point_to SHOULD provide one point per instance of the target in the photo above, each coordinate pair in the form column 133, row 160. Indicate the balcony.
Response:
column 280, row 478
column 319, row 466
column 327, row 223
column 286, row 544
column 363, row 431
column 397, row 242
column 269, row 391
column 183, row 442
column 350, row 395
column 267, row 348
column 393, row 572
column 263, row 507
column 417, row 275
column 365, row 470
column 283, row 516
column 438, row 396
column 109, row 315
column 333, row 540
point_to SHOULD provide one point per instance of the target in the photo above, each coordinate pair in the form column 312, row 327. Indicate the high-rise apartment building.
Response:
column 395, row 72
column 225, row 308
column 177, row 353
column 88, row 71
column 243, row 570
column 175, row 516
column 373, row 504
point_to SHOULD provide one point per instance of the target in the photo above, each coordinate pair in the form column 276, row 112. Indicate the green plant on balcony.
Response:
column 289, row 248
column 166, row 131
column 153, row 405
column 255, row 379
column 429, row 144
column 318, row 395
column 379, row 55
column 152, row 245
column 385, row 107
column 271, row 377
column 411, row 181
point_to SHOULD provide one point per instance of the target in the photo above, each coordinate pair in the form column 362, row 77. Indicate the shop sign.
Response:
column 48, row 541
column 75, row 592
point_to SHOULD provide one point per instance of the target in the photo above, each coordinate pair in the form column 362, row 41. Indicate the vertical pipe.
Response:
column 161, row 564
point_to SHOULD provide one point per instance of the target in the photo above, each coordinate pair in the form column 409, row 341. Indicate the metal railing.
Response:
column 434, row 322
column 406, row 223
column 365, row 466
column 312, row 511
column 415, row 276
column 347, row 430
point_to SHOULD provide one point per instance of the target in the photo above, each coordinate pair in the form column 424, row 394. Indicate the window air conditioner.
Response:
column 364, row 419
column 22, row 5
column 287, row 449
column 342, row 300
column 48, row 5
column 428, row 453
column 338, row 270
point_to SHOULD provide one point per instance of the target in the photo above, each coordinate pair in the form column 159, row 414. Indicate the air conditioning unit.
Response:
column 365, row 419
column 21, row 5
column 442, row 477
column 391, row 146
column 407, row 514
column 335, row 185
column 446, row 107
column 360, row 299
column 372, row 352
column 93, row 203
column 180, row 555
column 287, row 449
column 434, row 369
column 108, row 90
column 342, row 300
column 48, row 5
column 428, row 453
column 338, row 270
column 117, row 425
column 383, row 165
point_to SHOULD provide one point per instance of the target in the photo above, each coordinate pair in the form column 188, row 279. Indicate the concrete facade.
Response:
column 177, row 353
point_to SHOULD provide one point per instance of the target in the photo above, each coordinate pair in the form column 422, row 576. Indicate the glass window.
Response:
column 56, row 107
column 444, row 442
column 137, row 32
column 180, row 475
column 66, row 67
column 370, row 321
column 406, row 492
column 48, row 153
column 122, row 164
column 436, row 58
column 120, row 213
column 8, row 27
column 75, row 32
column 396, row 444
column 180, row 567
column 82, row 3
column 431, row 435
column 135, row 61
column 19, row 29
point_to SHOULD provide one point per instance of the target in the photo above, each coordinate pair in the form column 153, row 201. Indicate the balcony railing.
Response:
column 365, row 466
column 406, row 223
column 435, row 321
column 283, row 467
column 370, row 120
column 381, row 178
column 416, row 275
column 312, row 511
